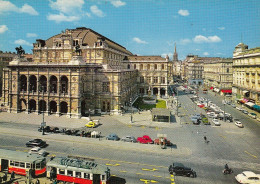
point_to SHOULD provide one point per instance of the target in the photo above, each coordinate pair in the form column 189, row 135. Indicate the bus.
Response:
column 77, row 170
column 21, row 162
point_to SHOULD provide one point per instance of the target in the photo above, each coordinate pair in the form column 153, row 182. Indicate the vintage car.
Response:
column 145, row 140
column 180, row 169
column 163, row 141
column 248, row 177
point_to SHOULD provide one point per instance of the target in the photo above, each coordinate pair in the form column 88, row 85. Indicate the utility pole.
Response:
column 131, row 117
column 177, row 101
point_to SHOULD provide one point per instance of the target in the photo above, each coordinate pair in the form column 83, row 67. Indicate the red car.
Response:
column 145, row 140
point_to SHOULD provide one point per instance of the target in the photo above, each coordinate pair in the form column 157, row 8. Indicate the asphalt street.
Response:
column 138, row 163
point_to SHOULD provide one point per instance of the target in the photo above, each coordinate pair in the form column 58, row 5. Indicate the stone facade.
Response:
column 246, row 73
column 62, row 81
column 219, row 75
column 154, row 74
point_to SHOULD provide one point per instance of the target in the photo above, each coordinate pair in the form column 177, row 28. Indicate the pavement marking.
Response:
column 149, row 169
column 251, row 154
column 123, row 171
column 157, row 176
column 143, row 126
column 113, row 175
column 148, row 181
column 139, row 173
column 129, row 126
column 113, row 164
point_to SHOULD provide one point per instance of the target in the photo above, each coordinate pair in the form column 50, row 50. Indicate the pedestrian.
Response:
column 5, row 177
column 37, row 181
column 55, row 181
column 205, row 138
column 1, row 179
column 12, row 175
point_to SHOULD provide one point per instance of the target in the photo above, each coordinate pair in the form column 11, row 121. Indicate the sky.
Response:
column 208, row 28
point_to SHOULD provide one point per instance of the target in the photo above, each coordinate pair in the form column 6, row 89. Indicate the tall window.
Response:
column 148, row 79
column 141, row 79
column 155, row 80
column 105, row 87
column 141, row 67
column 227, row 70
column 155, row 66
column 162, row 66
column 163, row 80
column 148, row 67
column 75, row 42
column 134, row 66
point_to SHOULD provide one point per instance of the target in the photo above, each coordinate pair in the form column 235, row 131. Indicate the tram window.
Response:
column 69, row 173
column 86, row 176
column 38, row 165
column 11, row 162
column 103, row 177
column 61, row 171
column 22, row 164
column 16, row 164
column 28, row 165
column 78, row 174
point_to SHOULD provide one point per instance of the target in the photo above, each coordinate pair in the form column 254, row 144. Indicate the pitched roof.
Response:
column 89, row 37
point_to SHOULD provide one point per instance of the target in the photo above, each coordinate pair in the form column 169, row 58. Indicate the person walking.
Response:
column 37, row 181
column 205, row 139
column 12, row 175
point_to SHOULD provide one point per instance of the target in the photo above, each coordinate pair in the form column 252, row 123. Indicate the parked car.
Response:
column 245, row 111
column 92, row 124
column 180, row 169
column 205, row 121
column 248, row 177
column 36, row 143
column 165, row 141
column 252, row 115
column 145, row 140
column 38, row 150
column 113, row 137
column 128, row 139
column 239, row 124
column 233, row 105
column 216, row 122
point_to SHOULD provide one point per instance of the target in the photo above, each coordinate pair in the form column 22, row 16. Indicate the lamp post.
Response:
column 177, row 101
column 131, row 118
column 43, row 123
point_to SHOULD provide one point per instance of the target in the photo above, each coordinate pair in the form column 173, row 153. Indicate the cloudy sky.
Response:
column 145, row 27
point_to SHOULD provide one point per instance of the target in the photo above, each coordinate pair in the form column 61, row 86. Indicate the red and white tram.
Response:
column 78, row 171
column 20, row 162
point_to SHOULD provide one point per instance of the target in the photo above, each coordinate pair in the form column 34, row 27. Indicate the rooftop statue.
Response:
column 20, row 51
column 78, row 49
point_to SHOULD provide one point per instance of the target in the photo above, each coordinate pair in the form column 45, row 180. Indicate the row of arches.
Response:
column 42, row 106
column 155, row 91
column 33, row 85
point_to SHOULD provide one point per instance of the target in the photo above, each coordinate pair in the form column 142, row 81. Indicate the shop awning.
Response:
column 245, row 91
column 211, row 87
column 250, row 104
column 226, row 90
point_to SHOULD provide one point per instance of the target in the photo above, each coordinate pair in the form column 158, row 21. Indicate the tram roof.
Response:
column 20, row 156
column 77, row 165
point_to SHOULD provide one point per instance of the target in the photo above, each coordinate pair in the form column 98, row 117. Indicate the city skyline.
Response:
column 145, row 27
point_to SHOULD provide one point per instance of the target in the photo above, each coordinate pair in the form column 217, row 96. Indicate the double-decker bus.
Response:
column 21, row 162
column 77, row 170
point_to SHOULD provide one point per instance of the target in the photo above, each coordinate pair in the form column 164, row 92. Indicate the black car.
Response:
column 180, row 169
column 36, row 143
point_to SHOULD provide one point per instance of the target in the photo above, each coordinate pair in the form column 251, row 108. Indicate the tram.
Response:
column 21, row 162
column 76, row 170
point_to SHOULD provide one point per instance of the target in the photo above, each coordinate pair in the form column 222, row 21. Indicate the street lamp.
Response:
column 177, row 102
column 131, row 118
column 43, row 123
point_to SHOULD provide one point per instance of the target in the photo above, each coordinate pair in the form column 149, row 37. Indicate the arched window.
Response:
column 155, row 66
column 128, row 66
column 141, row 67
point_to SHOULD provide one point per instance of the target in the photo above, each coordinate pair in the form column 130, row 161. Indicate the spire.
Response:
column 175, row 55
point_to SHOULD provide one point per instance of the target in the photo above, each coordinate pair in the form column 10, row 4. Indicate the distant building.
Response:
column 154, row 73
column 176, row 65
column 246, row 74
column 218, row 75
column 5, row 58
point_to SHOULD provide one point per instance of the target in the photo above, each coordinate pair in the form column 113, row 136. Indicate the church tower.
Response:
column 175, row 55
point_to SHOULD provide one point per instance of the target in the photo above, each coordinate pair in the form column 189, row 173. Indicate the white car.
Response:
column 239, row 124
column 38, row 150
column 216, row 122
column 248, row 177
